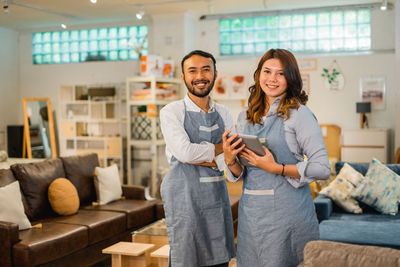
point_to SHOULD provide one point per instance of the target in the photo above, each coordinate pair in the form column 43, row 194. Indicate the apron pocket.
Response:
column 212, row 191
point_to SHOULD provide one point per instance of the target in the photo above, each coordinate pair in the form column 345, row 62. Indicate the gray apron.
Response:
column 196, row 202
column 276, row 220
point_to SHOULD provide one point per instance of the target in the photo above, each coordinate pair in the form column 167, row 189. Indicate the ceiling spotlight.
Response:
column 384, row 5
column 140, row 13
column 64, row 26
column 5, row 7
column 93, row 1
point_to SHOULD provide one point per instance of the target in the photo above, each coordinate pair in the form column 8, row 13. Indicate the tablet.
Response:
column 253, row 143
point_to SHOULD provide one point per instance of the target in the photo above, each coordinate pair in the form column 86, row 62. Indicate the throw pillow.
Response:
column 11, row 207
column 63, row 197
column 380, row 189
column 340, row 189
column 107, row 184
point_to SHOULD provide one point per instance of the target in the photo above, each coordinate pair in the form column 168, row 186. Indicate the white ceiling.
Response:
column 76, row 13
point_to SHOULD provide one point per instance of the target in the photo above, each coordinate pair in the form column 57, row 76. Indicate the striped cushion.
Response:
column 380, row 189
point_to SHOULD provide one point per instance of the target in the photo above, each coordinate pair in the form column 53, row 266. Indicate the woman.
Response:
column 276, row 212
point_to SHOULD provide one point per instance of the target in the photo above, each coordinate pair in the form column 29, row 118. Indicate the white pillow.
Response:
column 107, row 184
column 11, row 207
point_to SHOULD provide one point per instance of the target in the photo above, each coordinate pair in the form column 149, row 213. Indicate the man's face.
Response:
column 199, row 75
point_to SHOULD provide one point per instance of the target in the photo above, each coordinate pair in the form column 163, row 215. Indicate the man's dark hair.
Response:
column 199, row 53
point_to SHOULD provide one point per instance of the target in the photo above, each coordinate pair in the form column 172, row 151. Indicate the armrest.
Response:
column 160, row 210
column 133, row 192
column 323, row 207
column 8, row 237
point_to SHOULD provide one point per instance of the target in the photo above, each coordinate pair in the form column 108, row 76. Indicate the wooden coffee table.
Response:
column 129, row 254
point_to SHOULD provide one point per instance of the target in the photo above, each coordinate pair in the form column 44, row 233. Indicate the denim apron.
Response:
column 196, row 202
column 276, row 220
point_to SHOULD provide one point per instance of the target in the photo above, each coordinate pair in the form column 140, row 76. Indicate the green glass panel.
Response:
column 350, row 17
column 55, row 36
column 132, row 31
column 224, row 37
column 143, row 30
column 104, row 54
column 272, row 45
column 46, row 48
column 123, row 32
column 75, row 57
column 236, row 37
column 272, row 21
column 46, row 37
column 285, row 21
column 65, row 47
column 310, row 45
column 93, row 34
column 297, row 33
column 337, row 31
column 323, row 18
column 337, row 44
column 112, row 45
column 103, row 33
column 123, row 55
column 146, row 44
column 47, row 59
column 310, row 33
column 364, row 43
column 74, row 47
column 83, row 56
column 37, row 59
column 64, row 36
column 364, row 16
column 284, row 35
column 103, row 45
column 112, row 33
column 350, row 31
column 224, row 25
column 225, row 50
column 248, row 37
column 37, row 49
column 84, row 46
column 93, row 46
column 310, row 19
column 83, row 34
column 248, row 23
column 260, row 22
column 55, row 48
column 37, row 38
column 113, row 55
column 248, row 49
column 350, row 44
column 261, row 36
column 337, row 18
column 324, row 45
column 364, row 30
column 237, row 49
column 133, row 54
column 236, row 24
column 74, row 36
column 285, row 45
column 56, row 58
column 261, row 48
column 298, row 45
column 65, row 58
column 324, row 32
column 297, row 20
column 123, row 44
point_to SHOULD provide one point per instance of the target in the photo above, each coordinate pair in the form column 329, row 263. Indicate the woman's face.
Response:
column 272, row 79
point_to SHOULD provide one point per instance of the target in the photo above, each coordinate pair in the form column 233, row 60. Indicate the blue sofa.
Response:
column 368, row 228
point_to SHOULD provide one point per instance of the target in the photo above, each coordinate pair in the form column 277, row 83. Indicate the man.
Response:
column 196, row 201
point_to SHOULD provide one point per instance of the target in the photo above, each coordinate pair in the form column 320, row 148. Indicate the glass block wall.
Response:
column 330, row 31
column 102, row 44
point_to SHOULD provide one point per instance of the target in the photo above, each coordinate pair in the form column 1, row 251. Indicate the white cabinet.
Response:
column 90, row 122
column 145, row 144
column 362, row 145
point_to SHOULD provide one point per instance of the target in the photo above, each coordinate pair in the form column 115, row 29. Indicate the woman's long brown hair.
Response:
column 294, row 94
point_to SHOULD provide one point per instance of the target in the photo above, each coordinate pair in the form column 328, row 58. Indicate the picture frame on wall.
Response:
column 305, row 77
column 307, row 64
column 373, row 89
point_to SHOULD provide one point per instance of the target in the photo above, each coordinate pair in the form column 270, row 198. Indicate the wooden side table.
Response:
column 129, row 254
column 162, row 254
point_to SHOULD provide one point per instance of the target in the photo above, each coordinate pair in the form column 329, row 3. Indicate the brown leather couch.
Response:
column 75, row 240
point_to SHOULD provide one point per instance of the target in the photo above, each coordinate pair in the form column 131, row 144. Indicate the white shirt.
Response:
column 177, row 141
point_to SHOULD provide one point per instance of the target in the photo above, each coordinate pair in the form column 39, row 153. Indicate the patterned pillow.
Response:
column 380, row 189
column 340, row 189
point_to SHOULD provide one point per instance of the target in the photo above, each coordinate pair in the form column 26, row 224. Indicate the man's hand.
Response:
column 231, row 150
column 218, row 149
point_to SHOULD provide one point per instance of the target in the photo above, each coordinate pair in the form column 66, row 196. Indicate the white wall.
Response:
column 397, row 88
column 9, row 91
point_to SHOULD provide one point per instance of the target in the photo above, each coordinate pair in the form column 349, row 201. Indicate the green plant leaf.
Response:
column 325, row 70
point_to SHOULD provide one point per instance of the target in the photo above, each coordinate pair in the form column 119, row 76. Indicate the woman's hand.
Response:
column 266, row 162
column 230, row 149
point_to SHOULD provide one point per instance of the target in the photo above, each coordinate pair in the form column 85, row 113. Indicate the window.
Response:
column 329, row 31
column 103, row 44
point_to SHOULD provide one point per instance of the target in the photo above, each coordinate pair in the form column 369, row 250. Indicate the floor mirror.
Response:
column 39, row 139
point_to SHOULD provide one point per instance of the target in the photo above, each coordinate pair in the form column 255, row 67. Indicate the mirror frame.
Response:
column 27, row 139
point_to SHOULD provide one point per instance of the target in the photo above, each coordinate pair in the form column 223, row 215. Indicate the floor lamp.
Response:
column 362, row 108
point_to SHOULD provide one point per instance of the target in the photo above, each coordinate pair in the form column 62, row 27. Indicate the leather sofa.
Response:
column 75, row 240
column 369, row 228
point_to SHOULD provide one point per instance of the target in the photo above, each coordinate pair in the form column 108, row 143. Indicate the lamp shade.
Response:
column 363, row 107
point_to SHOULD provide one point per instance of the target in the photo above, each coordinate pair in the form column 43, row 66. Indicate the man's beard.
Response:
column 202, row 93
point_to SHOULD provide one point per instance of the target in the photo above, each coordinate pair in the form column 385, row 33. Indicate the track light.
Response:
column 93, row 1
column 64, row 26
column 140, row 13
column 384, row 5
column 5, row 7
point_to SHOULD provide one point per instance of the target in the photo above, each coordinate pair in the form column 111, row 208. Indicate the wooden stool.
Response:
column 162, row 254
column 124, row 254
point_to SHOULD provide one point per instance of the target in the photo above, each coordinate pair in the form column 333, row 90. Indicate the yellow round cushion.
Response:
column 63, row 197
